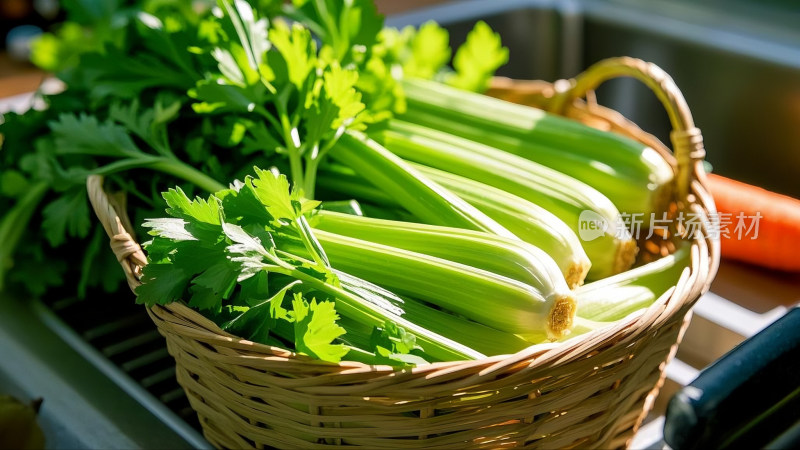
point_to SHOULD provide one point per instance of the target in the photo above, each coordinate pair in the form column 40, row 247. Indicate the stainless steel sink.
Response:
column 736, row 62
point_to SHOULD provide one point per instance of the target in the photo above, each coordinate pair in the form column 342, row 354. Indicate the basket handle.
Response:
column 687, row 141
column 114, row 219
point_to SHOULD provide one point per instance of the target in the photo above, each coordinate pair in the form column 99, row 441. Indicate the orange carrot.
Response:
column 777, row 242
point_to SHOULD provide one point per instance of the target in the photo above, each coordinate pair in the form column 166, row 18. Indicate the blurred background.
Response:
column 737, row 62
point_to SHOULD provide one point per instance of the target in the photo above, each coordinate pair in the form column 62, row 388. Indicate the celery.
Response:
column 606, row 301
column 529, row 222
column 205, row 254
column 612, row 251
column 603, row 302
column 613, row 302
column 482, row 296
column 615, row 297
column 424, row 198
column 484, row 339
column 511, row 258
column 635, row 177
column 337, row 180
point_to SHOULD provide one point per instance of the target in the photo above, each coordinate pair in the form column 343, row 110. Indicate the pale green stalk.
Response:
column 514, row 259
column 415, row 192
column 611, row 251
column 487, row 298
column 634, row 176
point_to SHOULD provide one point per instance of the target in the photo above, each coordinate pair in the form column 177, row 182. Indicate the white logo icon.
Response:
column 592, row 225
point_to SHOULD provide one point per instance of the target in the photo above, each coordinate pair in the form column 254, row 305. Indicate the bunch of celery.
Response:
column 464, row 241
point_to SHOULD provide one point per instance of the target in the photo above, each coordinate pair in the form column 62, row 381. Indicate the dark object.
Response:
column 788, row 439
column 29, row 15
column 18, row 426
column 746, row 399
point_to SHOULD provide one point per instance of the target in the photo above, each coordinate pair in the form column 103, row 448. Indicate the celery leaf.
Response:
column 430, row 51
column 393, row 345
column 315, row 329
column 257, row 322
column 162, row 284
column 476, row 61
column 67, row 216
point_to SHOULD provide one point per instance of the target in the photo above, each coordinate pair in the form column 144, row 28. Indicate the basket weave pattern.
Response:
column 592, row 391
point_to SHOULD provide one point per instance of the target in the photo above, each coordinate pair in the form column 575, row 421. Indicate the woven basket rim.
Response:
column 492, row 363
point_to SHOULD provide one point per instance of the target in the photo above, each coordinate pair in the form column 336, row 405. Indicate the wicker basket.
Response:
column 592, row 391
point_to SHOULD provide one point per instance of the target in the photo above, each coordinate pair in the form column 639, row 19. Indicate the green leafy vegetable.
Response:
column 218, row 260
column 161, row 92
column 429, row 52
column 260, row 320
column 423, row 53
column 67, row 216
column 476, row 60
column 273, row 74
column 166, row 93
column 395, row 345
column 315, row 328
column 348, row 27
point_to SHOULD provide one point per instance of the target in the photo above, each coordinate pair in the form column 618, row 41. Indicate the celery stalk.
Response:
column 633, row 175
column 337, row 180
column 421, row 196
column 529, row 222
column 615, row 297
column 484, row 339
column 482, row 296
column 612, row 251
column 606, row 301
column 613, row 302
column 368, row 314
column 514, row 259
column 657, row 275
